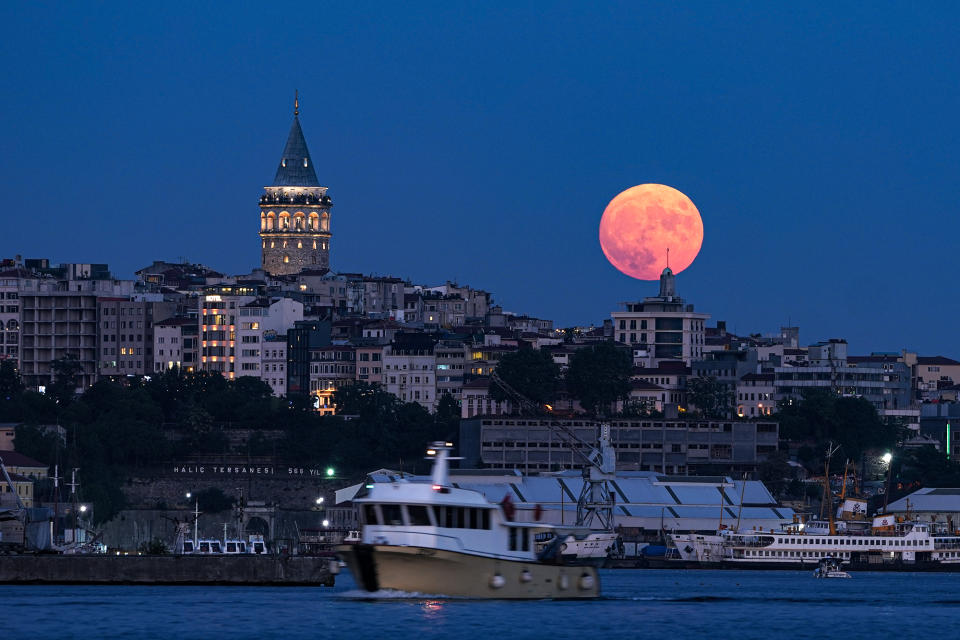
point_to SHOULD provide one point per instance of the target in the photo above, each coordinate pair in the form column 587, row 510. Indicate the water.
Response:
column 668, row 605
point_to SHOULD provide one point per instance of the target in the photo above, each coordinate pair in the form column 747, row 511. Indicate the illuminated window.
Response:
column 314, row 244
column 286, row 259
column 299, row 244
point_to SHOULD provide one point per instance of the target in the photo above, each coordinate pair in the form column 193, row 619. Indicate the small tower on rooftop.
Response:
column 295, row 211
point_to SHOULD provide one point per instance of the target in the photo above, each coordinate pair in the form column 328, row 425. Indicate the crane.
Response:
column 596, row 500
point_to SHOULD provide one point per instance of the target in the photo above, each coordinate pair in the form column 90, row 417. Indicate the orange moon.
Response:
column 641, row 223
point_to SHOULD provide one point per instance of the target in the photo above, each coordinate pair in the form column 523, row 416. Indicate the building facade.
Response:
column 661, row 445
column 664, row 325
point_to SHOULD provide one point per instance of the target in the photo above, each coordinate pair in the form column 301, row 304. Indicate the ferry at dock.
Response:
column 888, row 544
column 434, row 538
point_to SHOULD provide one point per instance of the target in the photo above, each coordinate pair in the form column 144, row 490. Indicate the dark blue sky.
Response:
column 480, row 143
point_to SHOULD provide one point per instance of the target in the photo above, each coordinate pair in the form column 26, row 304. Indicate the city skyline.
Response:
column 820, row 165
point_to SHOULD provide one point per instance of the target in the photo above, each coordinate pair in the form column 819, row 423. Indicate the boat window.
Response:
column 231, row 547
column 448, row 517
column 484, row 519
column 467, row 519
column 391, row 514
column 525, row 539
column 419, row 516
column 513, row 538
column 369, row 514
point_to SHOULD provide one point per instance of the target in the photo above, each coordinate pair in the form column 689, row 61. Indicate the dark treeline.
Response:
column 113, row 429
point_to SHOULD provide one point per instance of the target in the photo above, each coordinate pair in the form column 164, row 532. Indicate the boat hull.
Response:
column 448, row 573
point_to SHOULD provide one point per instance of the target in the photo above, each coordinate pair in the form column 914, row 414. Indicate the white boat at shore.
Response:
column 434, row 538
column 887, row 542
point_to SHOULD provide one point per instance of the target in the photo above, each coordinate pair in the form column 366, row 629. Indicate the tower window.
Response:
column 286, row 259
column 299, row 245
column 314, row 244
column 304, row 162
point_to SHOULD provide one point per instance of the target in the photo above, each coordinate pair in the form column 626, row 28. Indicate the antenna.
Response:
column 668, row 257
column 296, row 102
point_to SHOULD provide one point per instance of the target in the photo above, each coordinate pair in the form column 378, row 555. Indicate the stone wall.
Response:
column 181, row 570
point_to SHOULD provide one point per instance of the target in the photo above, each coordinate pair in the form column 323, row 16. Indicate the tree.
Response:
column 64, row 385
column 639, row 408
column 821, row 416
column 11, row 392
column 599, row 375
column 532, row 372
column 711, row 397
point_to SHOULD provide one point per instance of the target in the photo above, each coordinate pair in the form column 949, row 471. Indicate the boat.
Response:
column 829, row 568
column 438, row 539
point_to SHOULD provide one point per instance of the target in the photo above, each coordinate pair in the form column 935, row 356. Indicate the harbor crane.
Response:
column 596, row 500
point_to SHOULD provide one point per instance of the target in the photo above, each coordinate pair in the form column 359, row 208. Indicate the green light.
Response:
column 330, row 472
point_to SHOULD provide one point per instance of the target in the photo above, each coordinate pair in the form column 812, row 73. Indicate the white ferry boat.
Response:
column 441, row 540
column 887, row 544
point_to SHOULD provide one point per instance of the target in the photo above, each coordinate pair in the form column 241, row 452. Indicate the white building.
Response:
column 409, row 369
column 755, row 395
column 664, row 325
column 273, row 362
column 257, row 319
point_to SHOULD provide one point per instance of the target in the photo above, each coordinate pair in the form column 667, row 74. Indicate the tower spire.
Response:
column 296, row 102
column 668, row 257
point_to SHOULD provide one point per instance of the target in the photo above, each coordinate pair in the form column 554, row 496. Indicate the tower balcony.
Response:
column 296, row 198
column 323, row 233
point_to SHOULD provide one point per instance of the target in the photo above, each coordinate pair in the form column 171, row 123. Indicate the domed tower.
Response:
column 295, row 211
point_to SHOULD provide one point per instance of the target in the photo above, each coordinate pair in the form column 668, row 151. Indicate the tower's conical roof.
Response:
column 296, row 166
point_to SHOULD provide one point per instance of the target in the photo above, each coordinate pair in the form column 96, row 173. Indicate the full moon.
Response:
column 642, row 223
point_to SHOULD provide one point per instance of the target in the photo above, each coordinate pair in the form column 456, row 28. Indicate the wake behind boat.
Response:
column 438, row 539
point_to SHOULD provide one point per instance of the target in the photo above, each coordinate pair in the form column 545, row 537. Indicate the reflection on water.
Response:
column 656, row 604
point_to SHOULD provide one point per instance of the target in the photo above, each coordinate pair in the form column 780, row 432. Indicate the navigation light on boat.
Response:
column 431, row 452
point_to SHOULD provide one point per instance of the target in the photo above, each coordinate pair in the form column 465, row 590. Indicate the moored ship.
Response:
column 442, row 540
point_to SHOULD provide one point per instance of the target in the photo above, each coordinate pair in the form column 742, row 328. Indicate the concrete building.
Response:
column 126, row 335
column 12, row 283
column 370, row 363
column 295, row 212
column 664, row 324
column 409, row 368
column 303, row 339
column 885, row 384
column 755, row 395
column 331, row 367
column 59, row 319
column 476, row 400
column 257, row 319
column 642, row 444
column 273, row 362
column 450, row 357
column 175, row 344
column 941, row 422
column 670, row 377
column 218, row 318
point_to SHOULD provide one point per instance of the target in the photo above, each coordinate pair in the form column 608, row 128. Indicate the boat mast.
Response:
column 827, row 502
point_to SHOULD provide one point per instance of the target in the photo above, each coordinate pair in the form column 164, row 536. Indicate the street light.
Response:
column 320, row 500
column 330, row 472
column 887, row 457
column 326, row 523
column 196, row 521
